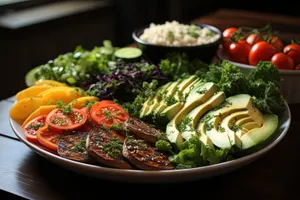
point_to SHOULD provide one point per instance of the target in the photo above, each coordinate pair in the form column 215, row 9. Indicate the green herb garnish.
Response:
column 80, row 146
column 113, row 148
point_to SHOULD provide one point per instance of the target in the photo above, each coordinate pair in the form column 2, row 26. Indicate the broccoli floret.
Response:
column 163, row 145
column 266, row 71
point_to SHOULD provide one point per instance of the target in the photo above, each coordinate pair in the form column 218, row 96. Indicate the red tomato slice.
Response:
column 108, row 114
column 32, row 127
column 107, row 102
column 47, row 137
column 63, row 122
column 86, row 111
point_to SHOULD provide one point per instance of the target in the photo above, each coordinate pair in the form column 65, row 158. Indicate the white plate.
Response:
column 163, row 175
column 290, row 79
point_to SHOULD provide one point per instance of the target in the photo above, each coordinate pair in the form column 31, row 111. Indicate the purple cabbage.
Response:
column 124, row 81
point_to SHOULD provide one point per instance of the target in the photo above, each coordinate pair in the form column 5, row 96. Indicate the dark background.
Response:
column 27, row 45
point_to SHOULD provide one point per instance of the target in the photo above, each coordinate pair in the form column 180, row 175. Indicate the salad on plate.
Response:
column 111, row 107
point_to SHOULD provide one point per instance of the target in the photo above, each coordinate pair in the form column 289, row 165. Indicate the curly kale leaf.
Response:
column 266, row 71
column 232, row 81
column 213, row 74
column 178, row 65
column 270, row 100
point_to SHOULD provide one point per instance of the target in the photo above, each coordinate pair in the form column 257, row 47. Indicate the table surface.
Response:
column 23, row 173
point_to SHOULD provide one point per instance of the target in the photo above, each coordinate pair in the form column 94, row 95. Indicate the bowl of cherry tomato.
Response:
column 246, row 46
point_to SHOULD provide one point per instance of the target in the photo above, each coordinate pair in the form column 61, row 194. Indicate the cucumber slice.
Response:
column 128, row 52
column 30, row 76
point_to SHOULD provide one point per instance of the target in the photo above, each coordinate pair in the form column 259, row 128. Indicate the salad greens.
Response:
column 74, row 67
column 178, row 65
column 194, row 153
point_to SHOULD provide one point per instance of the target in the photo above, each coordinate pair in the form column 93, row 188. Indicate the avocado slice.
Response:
column 250, row 125
column 199, row 111
column 203, row 137
column 170, row 91
column 256, row 136
column 194, row 99
column 153, row 102
column 229, row 120
column 243, row 120
column 213, row 118
column 183, row 90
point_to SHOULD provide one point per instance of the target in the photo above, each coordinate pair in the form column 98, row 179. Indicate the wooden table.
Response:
column 24, row 173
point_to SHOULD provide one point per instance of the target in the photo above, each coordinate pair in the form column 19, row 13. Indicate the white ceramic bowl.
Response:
column 290, row 79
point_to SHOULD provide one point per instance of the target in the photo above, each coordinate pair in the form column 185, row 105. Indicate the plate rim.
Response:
column 160, row 173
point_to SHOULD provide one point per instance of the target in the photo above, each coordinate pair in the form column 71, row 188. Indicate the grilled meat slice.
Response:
column 73, row 146
column 142, row 130
column 143, row 156
column 106, row 149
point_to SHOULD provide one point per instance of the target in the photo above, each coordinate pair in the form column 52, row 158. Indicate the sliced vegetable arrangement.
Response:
column 248, row 45
column 122, row 111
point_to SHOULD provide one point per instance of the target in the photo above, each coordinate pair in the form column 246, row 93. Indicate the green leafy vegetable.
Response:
column 266, row 71
column 163, row 145
column 270, row 101
column 73, row 67
column 179, row 65
column 213, row 156
column 232, row 81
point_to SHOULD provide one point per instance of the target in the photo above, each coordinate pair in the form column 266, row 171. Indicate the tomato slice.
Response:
column 47, row 137
column 32, row 127
column 104, row 102
column 58, row 120
column 108, row 114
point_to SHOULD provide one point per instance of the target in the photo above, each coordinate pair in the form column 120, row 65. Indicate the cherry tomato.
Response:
column 58, row 120
column 228, row 32
column 108, row 114
column 293, row 50
column 32, row 127
column 47, row 137
column 226, row 37
column 253, row 39
column 277, row 43
column 261, row 51
column 239, row 51
column 282, row 61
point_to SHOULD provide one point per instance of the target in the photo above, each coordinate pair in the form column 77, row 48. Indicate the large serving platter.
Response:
column 162, row 176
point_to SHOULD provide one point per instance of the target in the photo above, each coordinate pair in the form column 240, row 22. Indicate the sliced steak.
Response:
column 142, row 130
column 106, row 149
column 143, row 156
column 73, row 146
